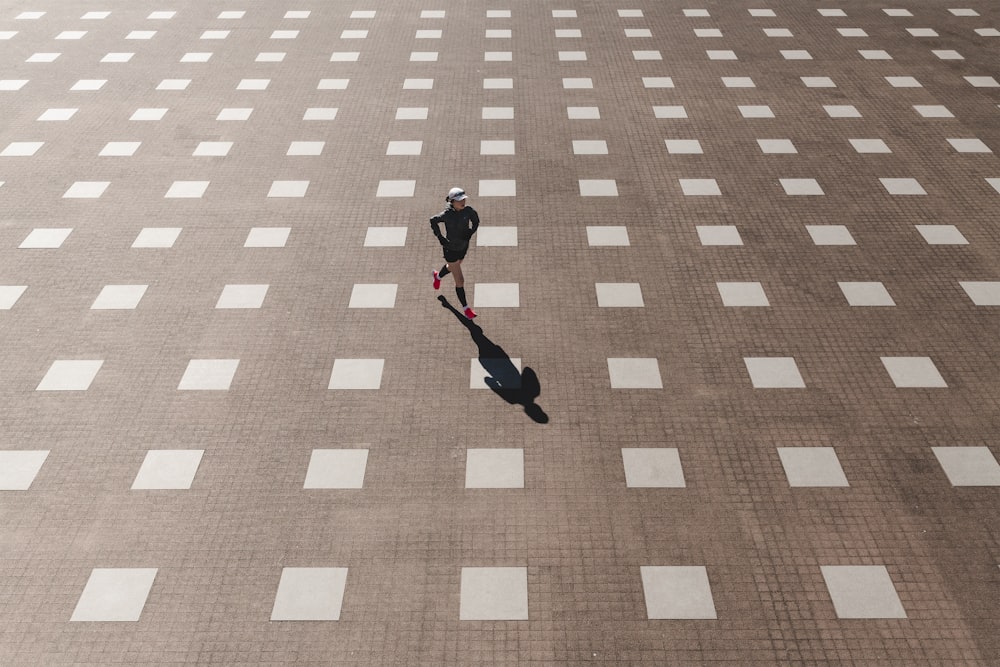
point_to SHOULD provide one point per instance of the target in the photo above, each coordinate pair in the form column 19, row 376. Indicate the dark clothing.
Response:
column 459, row 226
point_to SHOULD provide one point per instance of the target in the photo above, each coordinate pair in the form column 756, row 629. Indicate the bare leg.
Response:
column 456, row 268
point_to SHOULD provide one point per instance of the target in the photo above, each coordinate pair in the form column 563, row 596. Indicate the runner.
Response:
column 460, row 222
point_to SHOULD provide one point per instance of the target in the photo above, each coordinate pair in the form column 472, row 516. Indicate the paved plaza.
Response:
column 732, row 394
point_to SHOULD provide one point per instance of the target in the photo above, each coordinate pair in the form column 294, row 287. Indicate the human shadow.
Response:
column 514, row 386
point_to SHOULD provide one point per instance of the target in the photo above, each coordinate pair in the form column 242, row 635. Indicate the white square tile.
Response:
column 120, row 149
column 942, row 235
column 46, row 238
column 242, row 296
column 292, row 189
column 186, row 190
column 423, row 56
column 119, row 297
column 305, row 148
column 982, row 32
column 29, row 16
column 231, row 15
column 432, row 14
column 285, row 34
column 598, row 188
column 869, row 146
column 114, row 594
column 199, row 57
column 117, row 58
column 638, row 32
column 830, row 235
column 756, row 111
column 898, row 12
column 831, row 13
column 719, row 235
column 590, row 147
column 143, row 35
column 572, row 83
column 721, row 54
column 874, row 54
column 677, row 592
column 796, row 54
column 498, row 84
column 969, row 146
column 494, row 594
column 696, row 13
column 373, row 296
column 700, row 187
column 497, row 295
column 852, row 32
column 212, row 149
column 610, row 235
column 910, row 372
column 683, row 146
column 161, row 15
column 86, row 190
column 95, row 16
column 564, row 14
column 396, row 188
column 386, row 237
column 968, row 466
column 922, row 32
column 572, row 56
column 619, row 295
column 634, row 373
column 57, row 114
column 363, row 14
column 568, row 33
column 903, row 82
column 418, row 84
column 812, row 466
column 173, row 84
column 866, row 294
column 497, row 188
column 498, row 34
column 337, row 84
column 428, row 34
column 948, row 54
column 764, row 13
column 270, row 57
column 862, row 591
column 738, row 82
column 345, row 56
column 21, row 149
column 267, row 237
column 7, row 34
column 411, row 113
column 9, row 295
column 43, row 58
column 496, row 236
column 494, row 147
column 18, row 468
column 774, row 372
column 297, row 14
column 777, row 32
column 354, row 34
column 495, row 373
column 583, row 113
column 253, row 84
column 994, row 183
column 12, row 84
column 498, row 113
column 209, row 374
column 148, row 114
column 982, row 293
column 630, row 13
column 748, row 294
column 336, row 469
column 964, row 12
column 320, row 113
column 818, row 82
column 842, row 111
column 652, row 467
column 670, row 112
column 776, row 146
column 499, row 56
column 156, row 237
column 707, row 32
column 494, row 469
column 801, row 187
column 168, row 469
column 648, row 55
column 902, row 186
column 234, row 114
column 309, row 594
column 70, row 375
column 657, row 82
column 356, row 374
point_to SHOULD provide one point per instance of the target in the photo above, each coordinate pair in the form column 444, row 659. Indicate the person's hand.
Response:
column 442, row 240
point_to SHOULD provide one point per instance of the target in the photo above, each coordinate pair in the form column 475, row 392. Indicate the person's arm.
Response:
column 436, row 228
column 475, row 222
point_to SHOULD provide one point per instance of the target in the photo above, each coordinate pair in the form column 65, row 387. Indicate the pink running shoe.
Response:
column 469, row 312
column 437, row 281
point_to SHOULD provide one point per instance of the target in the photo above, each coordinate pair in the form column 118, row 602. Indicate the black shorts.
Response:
column 455, row 255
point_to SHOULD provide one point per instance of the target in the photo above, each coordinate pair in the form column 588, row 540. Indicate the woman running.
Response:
column 460, row 222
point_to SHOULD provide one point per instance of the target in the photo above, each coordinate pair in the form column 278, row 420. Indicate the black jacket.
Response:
column 459, row 226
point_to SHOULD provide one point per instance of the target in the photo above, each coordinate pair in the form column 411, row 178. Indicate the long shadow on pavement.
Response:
column 515, row 387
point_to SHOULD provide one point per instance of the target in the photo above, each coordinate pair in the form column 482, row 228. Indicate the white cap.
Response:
column 456, row 194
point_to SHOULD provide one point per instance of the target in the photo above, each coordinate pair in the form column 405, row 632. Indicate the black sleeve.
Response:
column 435, row 226
column 475, row 222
